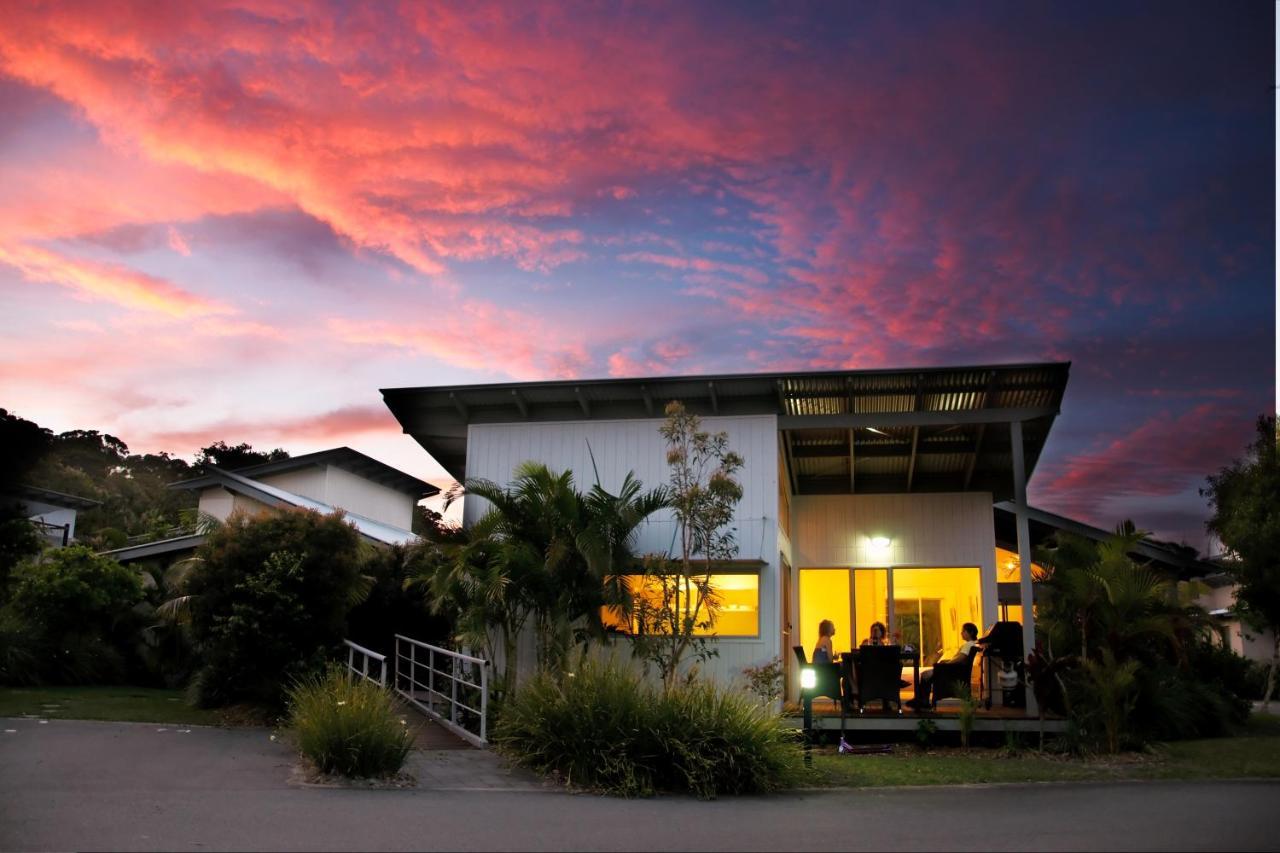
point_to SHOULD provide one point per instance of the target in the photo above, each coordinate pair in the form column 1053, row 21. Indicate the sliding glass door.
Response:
column 925, row 607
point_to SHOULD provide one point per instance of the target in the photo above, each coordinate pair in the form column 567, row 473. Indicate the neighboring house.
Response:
column 1220, row 601
column 54, row 513
column 378, row 499
column 868, row 496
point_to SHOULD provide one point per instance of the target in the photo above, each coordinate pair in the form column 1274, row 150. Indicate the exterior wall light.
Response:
column 880, row 544
column 808, row 678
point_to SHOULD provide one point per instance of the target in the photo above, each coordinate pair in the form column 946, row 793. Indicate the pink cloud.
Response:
column 109, row 282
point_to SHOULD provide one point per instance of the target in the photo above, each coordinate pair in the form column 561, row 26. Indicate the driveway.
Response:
column 81, row 785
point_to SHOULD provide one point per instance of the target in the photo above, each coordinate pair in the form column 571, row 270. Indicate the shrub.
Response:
column 348, row 727
column 765, row 680
column 71, row 619
column 603, row 728
column 73, row 590
column 269, row 601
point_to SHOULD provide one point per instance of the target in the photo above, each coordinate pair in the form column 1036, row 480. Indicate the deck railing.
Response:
column 358, row 663
column 448, row 686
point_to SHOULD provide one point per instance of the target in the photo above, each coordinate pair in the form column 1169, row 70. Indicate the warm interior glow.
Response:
column 930, row 606
column 870, row 600
column 824, row 594
column 738, row 615
column 1009, row 567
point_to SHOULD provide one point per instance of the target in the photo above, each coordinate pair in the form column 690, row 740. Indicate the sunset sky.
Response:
column 240, row 220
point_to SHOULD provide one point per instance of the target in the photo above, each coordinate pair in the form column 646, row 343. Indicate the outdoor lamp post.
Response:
column 808, row 681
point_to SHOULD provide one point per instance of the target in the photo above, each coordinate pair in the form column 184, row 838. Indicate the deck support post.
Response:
column 1024, row 552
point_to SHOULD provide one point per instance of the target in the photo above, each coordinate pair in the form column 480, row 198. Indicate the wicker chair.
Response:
column 879, row 670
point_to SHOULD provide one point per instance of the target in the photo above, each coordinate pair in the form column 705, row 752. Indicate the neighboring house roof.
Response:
column 49, row 496
column 348, row 460
column 859, row 431
column 1044, row 524
column 157, row 548
column 276, row 497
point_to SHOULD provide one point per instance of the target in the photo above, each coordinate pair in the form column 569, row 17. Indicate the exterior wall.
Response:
column 365, row 497
column 928, row 530
column 54, row 515
column 1240, row 638
column 308, row 482
column 220, row 503
column 618, row 447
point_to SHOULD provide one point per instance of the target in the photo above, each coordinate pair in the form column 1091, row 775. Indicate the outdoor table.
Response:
column 911, row 657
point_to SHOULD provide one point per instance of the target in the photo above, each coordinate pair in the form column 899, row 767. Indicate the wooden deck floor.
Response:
column 826, row 716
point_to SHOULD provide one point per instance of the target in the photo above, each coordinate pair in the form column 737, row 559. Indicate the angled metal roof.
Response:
column 1043, row 524
column 348, row 460
column 49, row 496
column 918, row 429
column 277, row 497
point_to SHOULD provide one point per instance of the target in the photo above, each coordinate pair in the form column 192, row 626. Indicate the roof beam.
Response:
column 791, row 467
column 973, row 458
column 582, row 401
column 982, row 430
column 459, row 405
column 715, row 401
column 851, row 462
column 520, row 403
column 648, row 399
column 905, row 419
column 915, row 431
column 782, row 398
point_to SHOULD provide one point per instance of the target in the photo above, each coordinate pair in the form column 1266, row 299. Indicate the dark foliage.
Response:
column 394, row 607
column 70, row 620
column 269, row 602
column 230, row 457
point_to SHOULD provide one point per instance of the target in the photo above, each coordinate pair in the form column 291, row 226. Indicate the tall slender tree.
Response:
column 1245, row 501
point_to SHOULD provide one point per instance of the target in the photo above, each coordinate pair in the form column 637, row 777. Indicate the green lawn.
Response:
column 135, row 704
column 1254, row 753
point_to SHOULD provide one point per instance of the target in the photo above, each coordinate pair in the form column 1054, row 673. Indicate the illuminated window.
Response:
column 738, row 614
column 929, row 606
column 824, row 594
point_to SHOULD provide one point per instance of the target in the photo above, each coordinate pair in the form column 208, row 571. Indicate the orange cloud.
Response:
column 109, row 282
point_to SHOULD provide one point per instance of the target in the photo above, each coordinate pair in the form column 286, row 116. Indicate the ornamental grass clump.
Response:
column 602, row 728
column 351, row 728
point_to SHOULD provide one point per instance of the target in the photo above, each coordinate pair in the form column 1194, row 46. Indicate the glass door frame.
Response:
column 890, row 616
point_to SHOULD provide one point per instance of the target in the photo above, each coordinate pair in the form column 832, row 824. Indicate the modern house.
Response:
column 378, row 499
column 1220, row 601
column 868, row 496
column 53, row 513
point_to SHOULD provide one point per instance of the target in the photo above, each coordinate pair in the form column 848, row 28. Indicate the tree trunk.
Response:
column 1271, row 673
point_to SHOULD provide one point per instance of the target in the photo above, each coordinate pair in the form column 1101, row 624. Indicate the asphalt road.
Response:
column 73, row 785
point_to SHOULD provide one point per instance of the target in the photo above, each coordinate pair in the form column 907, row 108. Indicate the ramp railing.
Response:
column 448, row 686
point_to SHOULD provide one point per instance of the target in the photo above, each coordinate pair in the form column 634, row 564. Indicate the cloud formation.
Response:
column 406, row 193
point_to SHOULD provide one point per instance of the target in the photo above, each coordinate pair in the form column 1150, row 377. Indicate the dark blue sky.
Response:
column 239, row 222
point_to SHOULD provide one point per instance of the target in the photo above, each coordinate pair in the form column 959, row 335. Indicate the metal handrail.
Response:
column 409, row 670
column 366, row 655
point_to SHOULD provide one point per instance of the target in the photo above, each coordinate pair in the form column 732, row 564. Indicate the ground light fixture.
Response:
column 808, row 678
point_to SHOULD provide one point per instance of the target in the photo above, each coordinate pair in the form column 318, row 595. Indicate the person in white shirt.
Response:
column 969, row 639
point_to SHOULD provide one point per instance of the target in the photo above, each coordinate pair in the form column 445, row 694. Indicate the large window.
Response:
column 929, row 605
column 738, row 614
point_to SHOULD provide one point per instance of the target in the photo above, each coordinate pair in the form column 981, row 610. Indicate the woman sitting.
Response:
column 879, row 635
column 822, row 651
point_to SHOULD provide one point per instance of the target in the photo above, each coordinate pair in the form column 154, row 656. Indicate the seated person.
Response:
column 969, row 639
column 879, row 635
column 822, row 652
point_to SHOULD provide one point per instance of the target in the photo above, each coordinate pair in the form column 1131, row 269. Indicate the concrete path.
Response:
column 79, row 785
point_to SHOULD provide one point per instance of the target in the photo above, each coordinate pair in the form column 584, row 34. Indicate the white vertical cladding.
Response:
column 621, row 446
column 926, row 529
